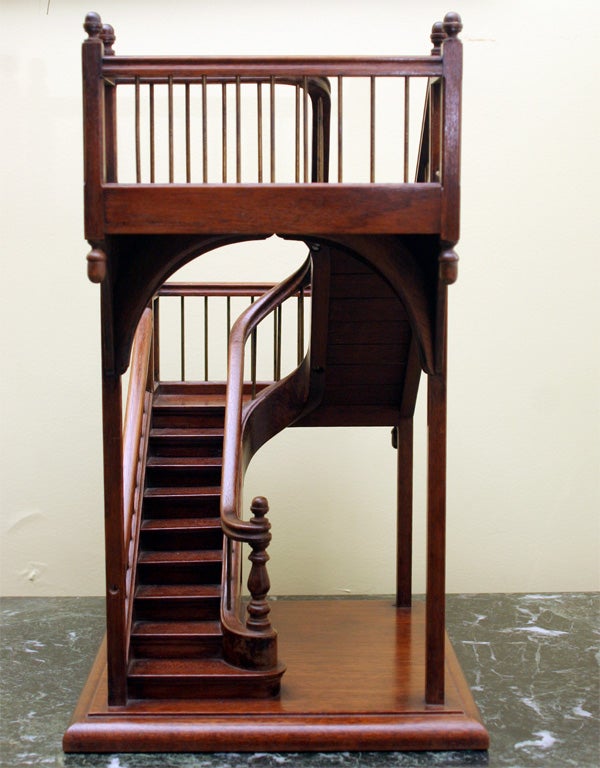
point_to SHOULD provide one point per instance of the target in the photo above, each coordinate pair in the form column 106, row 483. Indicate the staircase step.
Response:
column 176, row 639
column 177, row 602
column 181, row 471
column 190, row 501
column 199, row 678
column 188, row 411
column 183, row 441
column 181, row 533
column 180, row 567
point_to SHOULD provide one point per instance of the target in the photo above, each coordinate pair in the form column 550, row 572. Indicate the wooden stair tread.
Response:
column 181, row 556
column 186, row 432
column 183, row 461
column 182, row 523
column 171, row 492
column 177, row 591
column 178, row 628
column 195, row 668
column 196, row 401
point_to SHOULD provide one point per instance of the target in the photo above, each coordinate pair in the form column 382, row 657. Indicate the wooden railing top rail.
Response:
column 116, row 68
column 224, row 290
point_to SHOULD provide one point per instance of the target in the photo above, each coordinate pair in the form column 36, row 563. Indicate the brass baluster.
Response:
column 171, row 154
column 188, row 159
column 151, row 118
column 204, row 133
column 206, row 338
column 340, row 129
column 138, row 158
column 182, row 321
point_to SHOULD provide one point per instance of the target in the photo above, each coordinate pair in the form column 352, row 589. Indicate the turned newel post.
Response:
column 258, row 580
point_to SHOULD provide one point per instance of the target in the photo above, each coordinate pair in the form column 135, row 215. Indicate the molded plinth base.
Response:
column 354, row 681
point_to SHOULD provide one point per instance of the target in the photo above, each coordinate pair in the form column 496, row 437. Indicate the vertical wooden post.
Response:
column 404, row 436
column 436, row 538
column 94, row 126
column 110, row 106
column 114, row 539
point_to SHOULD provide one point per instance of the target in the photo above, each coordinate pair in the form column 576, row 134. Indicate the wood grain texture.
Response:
column 258, row 208
column 354, row 682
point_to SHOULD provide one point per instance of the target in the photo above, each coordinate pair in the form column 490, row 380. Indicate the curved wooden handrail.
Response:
column 246, row 429
column 134, row 412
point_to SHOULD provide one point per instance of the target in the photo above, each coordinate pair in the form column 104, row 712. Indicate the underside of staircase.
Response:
column 176, row 643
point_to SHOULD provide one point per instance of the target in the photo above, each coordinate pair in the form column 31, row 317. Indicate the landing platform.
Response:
column 354, row 681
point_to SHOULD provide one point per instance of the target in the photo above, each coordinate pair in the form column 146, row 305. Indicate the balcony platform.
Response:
column 354, row 681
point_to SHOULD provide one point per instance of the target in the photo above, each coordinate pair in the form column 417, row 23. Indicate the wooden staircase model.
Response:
column 191, row 662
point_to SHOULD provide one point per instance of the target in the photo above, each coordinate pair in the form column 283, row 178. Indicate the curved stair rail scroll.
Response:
column 251, row 641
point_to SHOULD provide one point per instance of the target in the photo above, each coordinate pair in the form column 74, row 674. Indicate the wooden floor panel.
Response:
column 354, row 681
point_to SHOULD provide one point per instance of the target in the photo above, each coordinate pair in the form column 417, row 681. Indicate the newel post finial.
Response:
column 258, row 580
column 437, row 37
column 108, row 38
column 93, row 24
column 452, row 24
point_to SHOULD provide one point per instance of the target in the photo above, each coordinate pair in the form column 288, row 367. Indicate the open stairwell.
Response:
column 176, row 641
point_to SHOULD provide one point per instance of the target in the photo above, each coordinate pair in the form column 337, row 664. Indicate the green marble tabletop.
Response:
column 531, row 661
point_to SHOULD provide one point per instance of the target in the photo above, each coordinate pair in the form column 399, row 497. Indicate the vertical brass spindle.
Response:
column 297, row 133
column 277, row 342
column 320, row 143
column 206, row 338
column 152, row 154
column 171, row 158
column 259, row 119
column 228, row 318
column 238, row 130
column 300, row 323
column 406, row 125
column 224, row 126
column 188, row 153
column 372, row 174
column 182, row 317
column 253, row 340
column 272, row 127
column 305, row 129
column 138, row 157
column 204, row 133
column 340, row 129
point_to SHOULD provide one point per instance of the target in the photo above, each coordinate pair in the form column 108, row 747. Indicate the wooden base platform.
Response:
column 354, row 681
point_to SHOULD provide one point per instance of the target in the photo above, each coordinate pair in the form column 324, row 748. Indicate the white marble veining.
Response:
column 531, row 660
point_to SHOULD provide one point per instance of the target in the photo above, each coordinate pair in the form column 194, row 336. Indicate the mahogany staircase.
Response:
column 176, row 646
column 191, row 662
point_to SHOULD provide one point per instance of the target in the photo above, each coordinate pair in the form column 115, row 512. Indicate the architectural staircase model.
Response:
column 191, row 660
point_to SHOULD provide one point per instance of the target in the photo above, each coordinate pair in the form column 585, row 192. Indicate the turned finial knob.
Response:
column 93, row 24
column 452, row 24
column 259, row 507
column 437, row 37
column 96, row 265
column 108, row 38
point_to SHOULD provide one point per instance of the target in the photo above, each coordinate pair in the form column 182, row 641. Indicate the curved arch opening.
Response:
column 200, row 302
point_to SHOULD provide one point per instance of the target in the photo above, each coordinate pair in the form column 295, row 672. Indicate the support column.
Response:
column 436, row 538
column 404, row 437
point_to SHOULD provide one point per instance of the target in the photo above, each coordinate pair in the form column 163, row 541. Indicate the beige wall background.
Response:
column 524, row 422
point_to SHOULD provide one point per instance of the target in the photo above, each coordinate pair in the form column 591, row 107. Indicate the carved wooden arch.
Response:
column 138, row 266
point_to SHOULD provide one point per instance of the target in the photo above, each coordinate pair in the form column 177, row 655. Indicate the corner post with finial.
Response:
column 451, row 51
column 94, row 132
column 93, row 144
